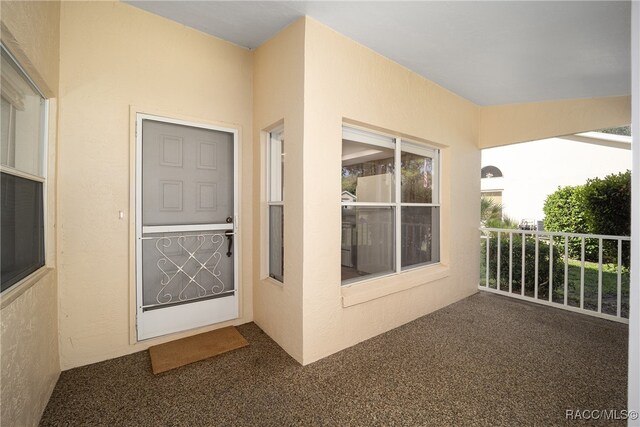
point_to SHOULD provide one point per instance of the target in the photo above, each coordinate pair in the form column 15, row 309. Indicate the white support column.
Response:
column 634, row 297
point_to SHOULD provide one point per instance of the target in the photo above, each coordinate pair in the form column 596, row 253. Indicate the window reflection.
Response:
column 367, row 173
column 367, row 241
column 417, row 178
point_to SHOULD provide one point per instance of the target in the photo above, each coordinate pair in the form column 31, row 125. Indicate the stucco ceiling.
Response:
column 488, row 52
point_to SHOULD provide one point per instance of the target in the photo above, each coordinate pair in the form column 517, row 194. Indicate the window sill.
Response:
column 11, row 294
column 379, row 287
column 272, row 281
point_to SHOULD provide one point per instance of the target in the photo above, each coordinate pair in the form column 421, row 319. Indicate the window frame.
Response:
column 399, row 144
column 17, row 288
column 277, row 130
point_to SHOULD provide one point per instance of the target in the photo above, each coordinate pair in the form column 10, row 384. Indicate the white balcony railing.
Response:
column 586, row 273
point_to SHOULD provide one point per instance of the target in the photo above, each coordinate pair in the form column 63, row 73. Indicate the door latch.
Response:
column 229, row 235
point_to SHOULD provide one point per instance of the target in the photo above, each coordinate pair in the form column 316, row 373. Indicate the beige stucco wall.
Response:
column 29, row 362
column 278, row 98
column 114, row 60
column 509, row 124
column 346, row 81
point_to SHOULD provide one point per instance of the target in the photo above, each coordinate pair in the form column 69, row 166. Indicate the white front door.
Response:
column 186, row 210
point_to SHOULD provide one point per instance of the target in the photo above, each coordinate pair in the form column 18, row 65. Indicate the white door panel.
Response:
column 186, row 205
column 187, row 174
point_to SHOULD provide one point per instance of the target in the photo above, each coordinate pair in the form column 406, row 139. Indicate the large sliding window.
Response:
column 390, row 205
column 275, row 201
column 22, row 174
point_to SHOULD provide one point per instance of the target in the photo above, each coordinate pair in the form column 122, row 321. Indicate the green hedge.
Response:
column 600, row 206
column 607, row 205
column 529, row 261
column 564, row 211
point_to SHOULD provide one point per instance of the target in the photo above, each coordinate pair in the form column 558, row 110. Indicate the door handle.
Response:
column 229, row 235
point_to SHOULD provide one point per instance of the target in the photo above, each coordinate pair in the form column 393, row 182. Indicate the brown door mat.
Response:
column 187, row 350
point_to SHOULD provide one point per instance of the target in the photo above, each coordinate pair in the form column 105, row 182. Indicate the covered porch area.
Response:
column 412, row 343
column 485, row 360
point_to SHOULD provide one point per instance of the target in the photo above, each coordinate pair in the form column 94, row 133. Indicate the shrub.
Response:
column 565, row 211
column 529, row 262
column 607, row 204
column 601, row 206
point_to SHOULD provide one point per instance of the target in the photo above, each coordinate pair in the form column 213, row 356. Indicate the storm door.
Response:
column 186, row 211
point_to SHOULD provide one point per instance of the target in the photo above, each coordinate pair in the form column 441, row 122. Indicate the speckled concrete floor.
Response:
column 486, row 360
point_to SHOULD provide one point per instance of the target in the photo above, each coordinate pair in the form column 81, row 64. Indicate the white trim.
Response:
column 419, row 149
column 164, row 321
column 182, row 228
column 435, row 173
column 15, row 172
column 440, row 210
column 43, row 153
column 22, row 70
column 365, row 279
column 45, row 184
column 397, row 238
column 426, row 205
column 633, row 392
column 603, row 139
column 160, row 305
column 143, row 116
column 367, row 137
column 417, row 266
column 399, row 145
column 138, row 217
column 558, row 233
column 196, row 234
column 169, row 320
column 272, row 281
column 279, row 131
column 370, row 204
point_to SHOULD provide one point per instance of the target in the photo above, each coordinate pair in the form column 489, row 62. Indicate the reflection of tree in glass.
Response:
column 417, row 178
column 417, row 234
column 351, row 173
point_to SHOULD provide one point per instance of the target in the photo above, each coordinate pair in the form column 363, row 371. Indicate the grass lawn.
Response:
column 609, row 286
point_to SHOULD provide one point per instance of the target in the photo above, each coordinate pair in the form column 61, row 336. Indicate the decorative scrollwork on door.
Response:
column 182, row 274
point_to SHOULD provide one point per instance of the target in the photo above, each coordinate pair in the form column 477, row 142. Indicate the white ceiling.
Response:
column 488, row 52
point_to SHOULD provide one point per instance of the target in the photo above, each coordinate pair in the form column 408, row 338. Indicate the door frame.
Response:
column 138, row 228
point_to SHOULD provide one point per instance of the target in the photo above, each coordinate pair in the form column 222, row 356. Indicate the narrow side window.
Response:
column 275, row 201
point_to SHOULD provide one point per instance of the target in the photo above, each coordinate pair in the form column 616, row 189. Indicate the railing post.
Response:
column 498, row 264
column 510, row 261
column 566, row 270
column 486, row 282
column 582, row 273
column 600, row 275
column 550, row 267
column 535, row 283
column 619, row 287
column 522, row 265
